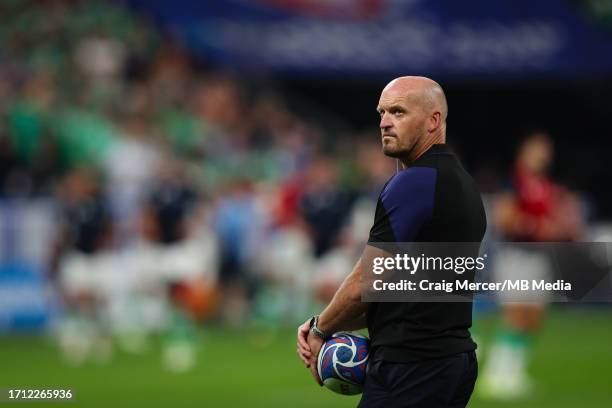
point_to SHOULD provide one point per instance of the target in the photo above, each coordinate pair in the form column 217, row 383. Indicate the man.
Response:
column 537, row 210
column 421, row 354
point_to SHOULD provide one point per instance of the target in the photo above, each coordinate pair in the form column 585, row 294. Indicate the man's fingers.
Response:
column 304, row 353
column 315, row 373
column 302, row 335
column 303, row 343
column 305, row 360
column 304, row 346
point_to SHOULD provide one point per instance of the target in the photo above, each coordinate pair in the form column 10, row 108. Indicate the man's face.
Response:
column 402, row 121
column 537, row 153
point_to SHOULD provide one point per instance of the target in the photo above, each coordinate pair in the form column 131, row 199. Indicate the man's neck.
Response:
column 423, row 145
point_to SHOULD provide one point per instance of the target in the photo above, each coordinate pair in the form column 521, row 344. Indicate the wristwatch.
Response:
column 315, row 329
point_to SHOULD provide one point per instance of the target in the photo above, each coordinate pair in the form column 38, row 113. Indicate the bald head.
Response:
column 413, row 113
column 424, row 91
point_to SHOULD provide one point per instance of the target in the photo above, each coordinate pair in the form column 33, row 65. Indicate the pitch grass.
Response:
column 572, row 366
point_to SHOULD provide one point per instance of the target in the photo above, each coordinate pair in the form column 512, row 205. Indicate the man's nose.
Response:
column 385, row 122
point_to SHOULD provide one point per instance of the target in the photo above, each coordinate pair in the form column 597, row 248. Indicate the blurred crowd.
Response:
column 173, row 189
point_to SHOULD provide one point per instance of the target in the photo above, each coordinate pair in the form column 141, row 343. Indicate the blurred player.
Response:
column 537, row 210
column 82, row 245
column 177, row 253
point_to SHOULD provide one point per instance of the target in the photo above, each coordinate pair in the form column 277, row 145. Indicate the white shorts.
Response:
column 513, row 263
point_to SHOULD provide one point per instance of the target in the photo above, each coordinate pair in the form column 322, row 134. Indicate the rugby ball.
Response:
column 342, row 362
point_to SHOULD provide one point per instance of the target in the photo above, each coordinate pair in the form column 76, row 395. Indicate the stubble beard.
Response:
column 396, row 151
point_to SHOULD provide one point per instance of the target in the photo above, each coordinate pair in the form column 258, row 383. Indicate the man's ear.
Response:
column 434, row 122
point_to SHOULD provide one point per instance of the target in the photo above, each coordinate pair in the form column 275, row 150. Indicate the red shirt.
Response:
column 535, row 193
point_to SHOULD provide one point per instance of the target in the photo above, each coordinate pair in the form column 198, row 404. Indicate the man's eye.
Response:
column 398, row 113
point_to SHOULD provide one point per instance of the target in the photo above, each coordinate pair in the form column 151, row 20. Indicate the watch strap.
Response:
column 315, row 329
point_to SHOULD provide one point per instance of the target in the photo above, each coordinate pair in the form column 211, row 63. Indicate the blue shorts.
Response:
column 440, row 383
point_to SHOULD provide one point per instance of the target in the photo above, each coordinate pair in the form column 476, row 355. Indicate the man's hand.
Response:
column 314, row 343
column 344, row 310
column 308, row 347
column 303, row 349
